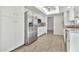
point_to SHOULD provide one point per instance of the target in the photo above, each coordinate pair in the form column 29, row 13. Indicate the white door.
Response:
column 12, row 28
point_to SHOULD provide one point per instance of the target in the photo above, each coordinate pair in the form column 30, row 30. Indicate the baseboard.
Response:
column 41, row 35
column 16, row 47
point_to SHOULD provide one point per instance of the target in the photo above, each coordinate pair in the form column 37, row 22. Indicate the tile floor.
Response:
column 45, row 43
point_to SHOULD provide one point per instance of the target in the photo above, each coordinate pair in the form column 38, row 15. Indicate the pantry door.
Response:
column 12, row 28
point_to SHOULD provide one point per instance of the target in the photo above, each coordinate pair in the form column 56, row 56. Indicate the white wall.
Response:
column 58, row 24
column 50, row 23
column 12, row 27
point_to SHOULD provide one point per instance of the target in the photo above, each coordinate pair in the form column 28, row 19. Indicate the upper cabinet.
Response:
column 76, row 11
column 70, row 14
column 15, row 11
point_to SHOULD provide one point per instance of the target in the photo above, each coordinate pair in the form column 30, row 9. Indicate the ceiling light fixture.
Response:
column 68, row 7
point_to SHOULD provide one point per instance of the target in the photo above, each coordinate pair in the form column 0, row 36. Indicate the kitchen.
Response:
column 17, row 28
column 23, row 26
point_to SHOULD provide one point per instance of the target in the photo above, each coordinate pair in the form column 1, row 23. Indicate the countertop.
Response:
column 75, row 30
column 71, row 26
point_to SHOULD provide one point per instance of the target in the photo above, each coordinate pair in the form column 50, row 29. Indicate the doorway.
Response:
column 50, row 25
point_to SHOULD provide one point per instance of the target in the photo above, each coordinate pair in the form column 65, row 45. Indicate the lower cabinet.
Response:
column 41, row 31
column 74, row 41
column 11, row 28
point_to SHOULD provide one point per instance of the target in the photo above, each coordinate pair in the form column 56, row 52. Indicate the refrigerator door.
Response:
column 30, row 29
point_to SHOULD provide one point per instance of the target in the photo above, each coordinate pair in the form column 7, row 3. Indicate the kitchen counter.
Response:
column 71, row 26
column 75, row 30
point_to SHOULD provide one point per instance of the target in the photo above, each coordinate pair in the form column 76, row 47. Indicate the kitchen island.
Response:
column 72, row 39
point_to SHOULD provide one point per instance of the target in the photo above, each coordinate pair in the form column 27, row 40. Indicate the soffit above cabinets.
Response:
column 49, row 9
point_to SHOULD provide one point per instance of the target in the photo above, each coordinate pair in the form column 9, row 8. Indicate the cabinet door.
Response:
column 12, row 35
column 20, row 25
column 74, row 42
column 70, row 14
column 9, row 33
column 76, row 11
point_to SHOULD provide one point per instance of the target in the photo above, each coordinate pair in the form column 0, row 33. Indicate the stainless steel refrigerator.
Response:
column 30, row 28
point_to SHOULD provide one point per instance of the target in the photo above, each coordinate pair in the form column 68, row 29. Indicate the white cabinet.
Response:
column 8, row 34
column 11, row 27
column 69, row 16
column 74, row 42
column 41, row 31
column 76, row 11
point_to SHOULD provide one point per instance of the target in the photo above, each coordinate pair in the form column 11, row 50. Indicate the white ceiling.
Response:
column 48, row 9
